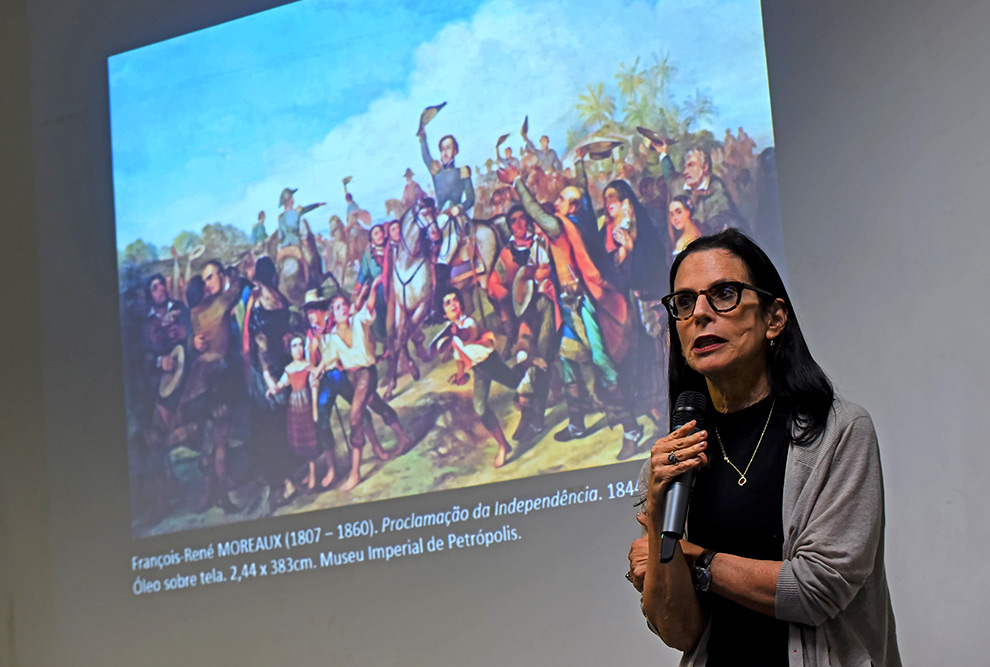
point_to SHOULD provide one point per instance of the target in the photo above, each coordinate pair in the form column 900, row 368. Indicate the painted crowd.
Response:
column 536, row 272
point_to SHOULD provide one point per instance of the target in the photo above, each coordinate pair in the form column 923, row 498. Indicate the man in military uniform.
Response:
column 452, row 184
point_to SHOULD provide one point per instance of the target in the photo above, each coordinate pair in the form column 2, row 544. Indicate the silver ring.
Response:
column 672, row 458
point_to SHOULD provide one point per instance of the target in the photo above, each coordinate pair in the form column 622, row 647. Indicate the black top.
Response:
column 744, row 521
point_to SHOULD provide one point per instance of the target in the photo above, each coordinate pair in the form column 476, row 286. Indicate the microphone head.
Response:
column 690, row 405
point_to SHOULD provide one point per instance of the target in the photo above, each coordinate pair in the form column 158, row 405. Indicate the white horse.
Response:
column 410, row 287
column 411, row 282
column 470, row 247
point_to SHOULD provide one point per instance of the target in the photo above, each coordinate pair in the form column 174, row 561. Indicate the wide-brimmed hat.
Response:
column 601, row 150
column 409, row 173
column 286, row 195
column 314, row 299
column 172, row 379
column 429, row 113
column 654, row 136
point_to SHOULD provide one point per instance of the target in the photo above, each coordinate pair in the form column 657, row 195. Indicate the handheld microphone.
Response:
column 690, row 405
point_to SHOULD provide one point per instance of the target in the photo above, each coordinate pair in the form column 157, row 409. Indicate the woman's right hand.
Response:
column 688, row 450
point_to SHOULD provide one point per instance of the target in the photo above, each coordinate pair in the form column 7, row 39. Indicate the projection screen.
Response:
column 351, row 415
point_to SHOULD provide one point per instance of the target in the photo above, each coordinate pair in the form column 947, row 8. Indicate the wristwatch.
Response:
column 701, row 575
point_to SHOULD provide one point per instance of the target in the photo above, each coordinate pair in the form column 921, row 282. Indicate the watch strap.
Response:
column 702, row 574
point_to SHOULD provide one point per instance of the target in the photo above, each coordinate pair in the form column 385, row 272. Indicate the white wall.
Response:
column 880, row 112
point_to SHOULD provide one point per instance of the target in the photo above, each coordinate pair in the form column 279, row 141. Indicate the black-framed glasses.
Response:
column 722, row 297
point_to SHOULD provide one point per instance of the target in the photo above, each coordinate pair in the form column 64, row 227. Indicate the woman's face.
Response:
column 296, row 349
column 677, row 215
column 394, row 232
column 728, row 345
column 613, row 204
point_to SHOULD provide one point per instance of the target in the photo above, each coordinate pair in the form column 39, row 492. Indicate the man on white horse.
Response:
column 453, row 187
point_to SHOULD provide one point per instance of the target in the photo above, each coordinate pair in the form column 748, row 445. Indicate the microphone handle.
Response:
column 675, row 507
column 675, row 514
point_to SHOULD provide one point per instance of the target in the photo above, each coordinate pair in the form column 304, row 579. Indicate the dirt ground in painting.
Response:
column 451, row 450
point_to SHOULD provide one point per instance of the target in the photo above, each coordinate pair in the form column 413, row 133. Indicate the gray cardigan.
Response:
column 832, row 587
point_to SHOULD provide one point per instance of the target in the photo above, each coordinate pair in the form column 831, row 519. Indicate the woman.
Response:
column 631, row 239
column 681, row 226
column 302, row 415
column 783, row 559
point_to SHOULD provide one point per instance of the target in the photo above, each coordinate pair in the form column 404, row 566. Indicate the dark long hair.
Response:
column 795, row 377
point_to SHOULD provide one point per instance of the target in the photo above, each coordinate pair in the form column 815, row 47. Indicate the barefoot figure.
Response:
column 302, row 415
column 473, row 347
column 351, row 347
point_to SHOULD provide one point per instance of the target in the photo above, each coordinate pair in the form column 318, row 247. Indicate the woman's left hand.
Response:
column 672, row 456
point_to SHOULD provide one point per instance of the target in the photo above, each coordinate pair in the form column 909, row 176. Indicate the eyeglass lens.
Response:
column 721, row 298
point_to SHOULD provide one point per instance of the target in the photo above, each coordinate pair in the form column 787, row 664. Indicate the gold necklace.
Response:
column 742, row 473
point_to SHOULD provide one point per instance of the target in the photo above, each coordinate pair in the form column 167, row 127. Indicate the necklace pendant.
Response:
column 742, row 480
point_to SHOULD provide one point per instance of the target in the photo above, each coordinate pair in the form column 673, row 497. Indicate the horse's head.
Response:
column 411, row 223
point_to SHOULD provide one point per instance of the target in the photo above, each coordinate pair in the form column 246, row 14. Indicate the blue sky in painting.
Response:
column 212, row 125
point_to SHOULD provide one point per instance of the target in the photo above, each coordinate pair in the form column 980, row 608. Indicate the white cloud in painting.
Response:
column 510, row 59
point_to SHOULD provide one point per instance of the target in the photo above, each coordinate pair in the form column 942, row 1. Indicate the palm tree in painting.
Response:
column 596, row 107
column 661, row 74
column 698, row 107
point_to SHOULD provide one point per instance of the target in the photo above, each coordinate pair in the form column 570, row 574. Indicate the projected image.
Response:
column 372, row 253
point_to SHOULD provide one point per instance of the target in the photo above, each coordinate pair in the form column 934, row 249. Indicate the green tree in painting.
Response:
column 224, row 241
column 643, row 97
column 596, row 107
column 186, row 241
column 630, row 79
column 661, row 73
column 139, row 252
column 698, row 107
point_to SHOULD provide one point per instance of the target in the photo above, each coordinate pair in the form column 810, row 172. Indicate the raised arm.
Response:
column 425, row 150
column 548, row 223
column 580, row 176
column 303, row 210
column 529, row 144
